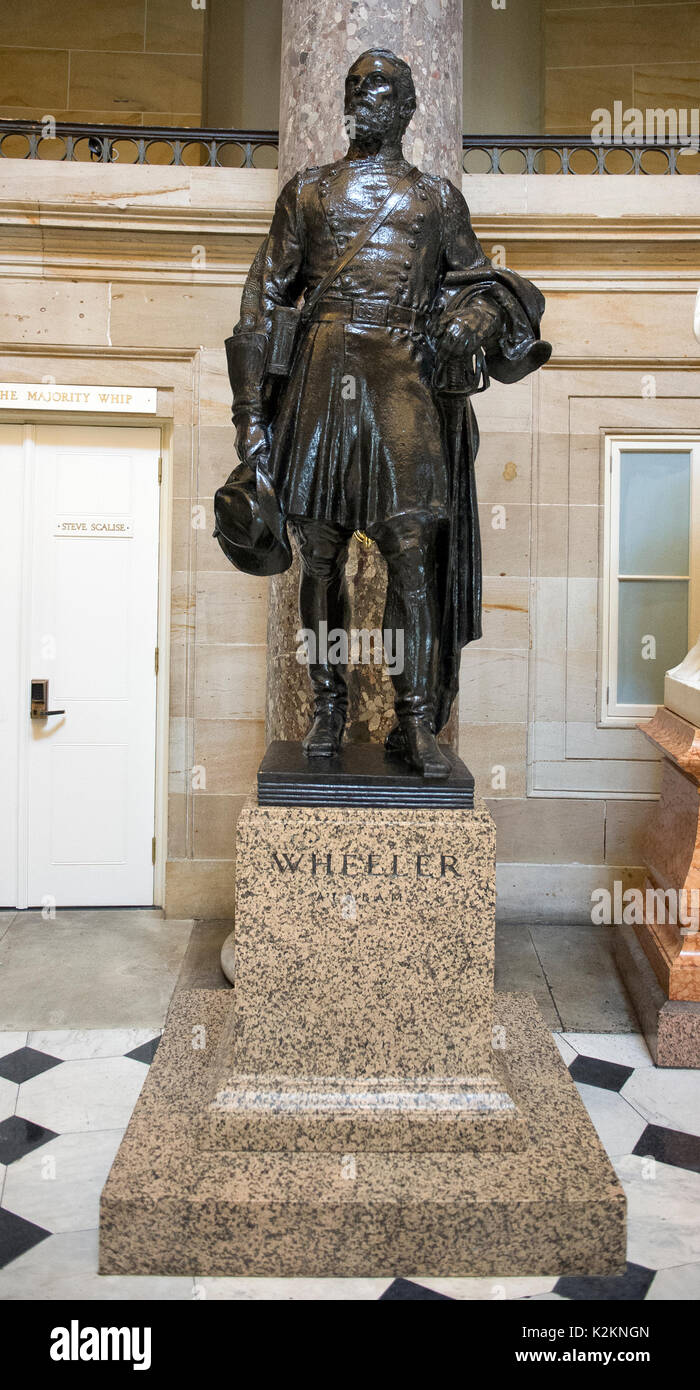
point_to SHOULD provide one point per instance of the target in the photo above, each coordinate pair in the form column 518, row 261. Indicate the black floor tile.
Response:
column 590, row 1071
column 146, row 1052
column 19, row 1136
column 17, row 1236
column 25, row 1063
column 670, row 1146
column 404, row 1291
column 628, row 1287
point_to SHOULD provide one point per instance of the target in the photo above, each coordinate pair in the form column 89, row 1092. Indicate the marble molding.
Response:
column 671, row 849
column 671, row 1027
column 659, row 960
column 358, row 1105
column 319, row 42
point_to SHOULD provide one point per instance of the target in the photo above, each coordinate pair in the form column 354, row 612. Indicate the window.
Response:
column 651, row 590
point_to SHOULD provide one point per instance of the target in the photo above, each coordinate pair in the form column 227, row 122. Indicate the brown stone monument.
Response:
column 659, row 957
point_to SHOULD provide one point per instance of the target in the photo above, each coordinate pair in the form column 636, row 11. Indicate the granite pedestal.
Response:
column 359, row 1104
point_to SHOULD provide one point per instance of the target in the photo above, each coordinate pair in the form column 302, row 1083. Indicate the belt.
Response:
column 376, row 313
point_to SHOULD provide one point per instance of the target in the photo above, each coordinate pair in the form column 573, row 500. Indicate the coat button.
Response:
column 412, row 244
column 407, row 265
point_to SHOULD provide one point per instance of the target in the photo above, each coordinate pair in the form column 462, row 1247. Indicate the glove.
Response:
column 251, row 438
column 475, row 326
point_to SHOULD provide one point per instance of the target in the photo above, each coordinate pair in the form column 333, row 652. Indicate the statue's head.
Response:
column 380, row 97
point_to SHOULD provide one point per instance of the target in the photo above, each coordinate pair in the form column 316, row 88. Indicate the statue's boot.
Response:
column 413, row 740
column 326, row 733
column 324, row 607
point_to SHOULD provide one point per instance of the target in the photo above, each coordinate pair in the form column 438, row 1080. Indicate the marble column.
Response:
column 319, row 42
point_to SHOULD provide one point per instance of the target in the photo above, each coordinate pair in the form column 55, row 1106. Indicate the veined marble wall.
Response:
column 102, row 278
column 135, row 63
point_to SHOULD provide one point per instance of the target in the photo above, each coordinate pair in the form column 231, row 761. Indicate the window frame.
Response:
column 613, row 713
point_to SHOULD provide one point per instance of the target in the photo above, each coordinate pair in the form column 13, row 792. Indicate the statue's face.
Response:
column 372, row 100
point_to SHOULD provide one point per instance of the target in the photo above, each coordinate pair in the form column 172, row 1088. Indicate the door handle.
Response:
column 39, row 699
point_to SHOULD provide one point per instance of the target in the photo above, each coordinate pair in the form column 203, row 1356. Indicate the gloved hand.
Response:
column 251, row 438
column 473, row 327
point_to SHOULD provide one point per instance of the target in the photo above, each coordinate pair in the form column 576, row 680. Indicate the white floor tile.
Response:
column 663, row 1213
column 99, row 1093
column 9, row 1042
column 666, row 1097
column 567, row 1052
column 58, row 1186
column 65, row 1267
column 91, row 1042
column 681, row 1283
column 627, row 1049
column 617, row 1125
column 488, row 1290
column 546, row 1298
column 298, row 1290
column 8, row 1098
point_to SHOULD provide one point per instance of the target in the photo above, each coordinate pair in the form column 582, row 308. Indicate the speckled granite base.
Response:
column 362, row 1014
column 364, row 942
column 671, row 1026
column 169, row 1207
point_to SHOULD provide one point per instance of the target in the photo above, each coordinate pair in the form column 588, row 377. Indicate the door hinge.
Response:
column 153, row 850
column 156, row 659
column 160, row 470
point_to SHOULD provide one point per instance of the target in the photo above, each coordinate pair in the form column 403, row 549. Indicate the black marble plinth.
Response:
column 362, row 774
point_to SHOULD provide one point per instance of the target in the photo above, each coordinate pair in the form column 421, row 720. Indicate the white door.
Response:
column 12, row 526
column 87, row 775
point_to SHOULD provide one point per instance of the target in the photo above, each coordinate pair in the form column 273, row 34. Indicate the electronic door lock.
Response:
column 39, row 700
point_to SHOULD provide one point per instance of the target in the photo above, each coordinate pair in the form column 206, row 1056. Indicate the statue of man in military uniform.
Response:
column 353, row 414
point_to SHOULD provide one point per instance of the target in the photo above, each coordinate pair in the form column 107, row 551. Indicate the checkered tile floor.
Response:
column 66, row 1097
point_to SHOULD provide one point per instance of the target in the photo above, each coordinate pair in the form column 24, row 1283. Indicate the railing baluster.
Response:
column 103, row 138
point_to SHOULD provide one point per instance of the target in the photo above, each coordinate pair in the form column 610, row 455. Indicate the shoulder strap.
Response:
column 366, row 231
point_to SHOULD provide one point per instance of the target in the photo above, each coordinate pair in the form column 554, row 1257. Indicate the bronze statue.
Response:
column 352, row 411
